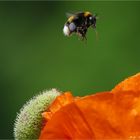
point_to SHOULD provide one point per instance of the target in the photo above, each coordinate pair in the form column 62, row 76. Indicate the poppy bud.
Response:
column 28, row 123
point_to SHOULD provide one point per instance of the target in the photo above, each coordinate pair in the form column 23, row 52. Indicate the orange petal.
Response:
column 101, row 116
column 58, row 103
column 132, row 83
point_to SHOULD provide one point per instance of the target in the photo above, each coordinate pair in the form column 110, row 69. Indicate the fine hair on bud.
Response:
column 28, row 122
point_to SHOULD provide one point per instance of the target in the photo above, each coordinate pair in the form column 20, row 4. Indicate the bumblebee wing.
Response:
column 69, row 15
column 76, row 14
column 79, row 13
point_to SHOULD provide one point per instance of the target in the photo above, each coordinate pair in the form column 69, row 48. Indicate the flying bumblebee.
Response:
column 79, row 23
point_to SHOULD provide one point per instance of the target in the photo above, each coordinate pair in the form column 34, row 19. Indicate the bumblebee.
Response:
column 79, row 23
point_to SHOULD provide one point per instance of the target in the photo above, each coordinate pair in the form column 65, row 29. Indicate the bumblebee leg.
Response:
column 81, row 32
column 84, row 34
column 80, row 36
column 85, row 37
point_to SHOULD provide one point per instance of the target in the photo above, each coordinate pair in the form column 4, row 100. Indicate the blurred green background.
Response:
column 35, row 55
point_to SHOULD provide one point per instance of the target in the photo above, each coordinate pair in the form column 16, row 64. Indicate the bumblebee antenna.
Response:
column 96, row 16
column 96, row 34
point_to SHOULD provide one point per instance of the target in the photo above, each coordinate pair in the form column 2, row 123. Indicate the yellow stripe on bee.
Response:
column 87, row 14
column 70, row 19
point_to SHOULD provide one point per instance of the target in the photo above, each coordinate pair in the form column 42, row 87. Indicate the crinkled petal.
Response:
column 60, row 101
column 130, row 84
column 101, row 116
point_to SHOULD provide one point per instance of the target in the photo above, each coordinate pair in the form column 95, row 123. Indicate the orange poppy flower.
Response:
column 113, row 115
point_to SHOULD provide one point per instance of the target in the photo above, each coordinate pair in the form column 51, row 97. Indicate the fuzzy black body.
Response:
column 80, row 22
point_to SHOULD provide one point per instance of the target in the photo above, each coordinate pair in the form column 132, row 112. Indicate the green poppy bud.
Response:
column 28, row 123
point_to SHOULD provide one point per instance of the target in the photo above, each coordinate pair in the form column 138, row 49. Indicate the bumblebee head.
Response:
column 91, row 19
